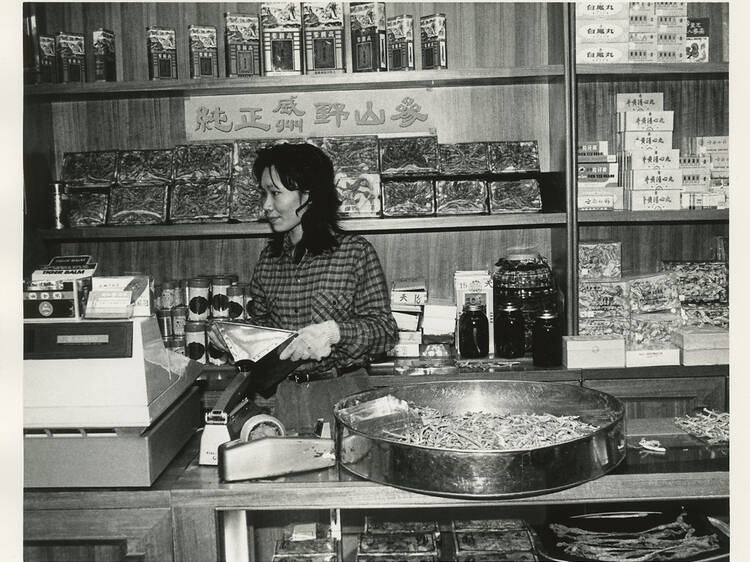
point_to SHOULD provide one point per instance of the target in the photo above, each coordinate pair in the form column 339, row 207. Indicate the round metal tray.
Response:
column 362, row 449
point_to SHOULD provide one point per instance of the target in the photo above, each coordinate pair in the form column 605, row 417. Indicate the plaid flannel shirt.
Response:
column 345, row 284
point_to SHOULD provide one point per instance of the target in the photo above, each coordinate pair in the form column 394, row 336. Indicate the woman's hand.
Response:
column 312, row 342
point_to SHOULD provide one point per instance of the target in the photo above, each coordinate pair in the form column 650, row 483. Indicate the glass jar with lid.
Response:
column 546, row 346
column 473, row 332
column 510, row 336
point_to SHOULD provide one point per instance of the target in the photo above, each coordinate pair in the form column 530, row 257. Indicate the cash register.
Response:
column 105, row 403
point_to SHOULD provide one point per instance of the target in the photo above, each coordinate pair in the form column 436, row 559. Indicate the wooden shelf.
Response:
column 687, row 216
column 656, row 372
column 661, row 69
column 255, row 229
column 269, row 84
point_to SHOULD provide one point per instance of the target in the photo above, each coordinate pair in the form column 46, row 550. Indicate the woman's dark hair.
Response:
column 305, row 167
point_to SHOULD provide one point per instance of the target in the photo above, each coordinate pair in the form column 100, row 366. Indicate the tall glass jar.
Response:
column 473, row 332
column 510, row 337
column 546, row 344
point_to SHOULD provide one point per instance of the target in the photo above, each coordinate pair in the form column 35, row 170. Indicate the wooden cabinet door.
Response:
column 665, row 397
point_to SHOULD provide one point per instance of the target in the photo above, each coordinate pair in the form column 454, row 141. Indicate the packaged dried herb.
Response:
column 144, row 167
column 652, row 330
column 246, row 202
column 463, row 158
column 705, row 315
column 95, row 168
column 603, row 298
column 359, row 194
column 604, row 326
column 408, row 155
column 460, row 197
column 138, row 204
column 246, row 152
column 515, row 196
column 700, row 282
column 397, row 543
column 199, row 202
column 408, row 198
column 351, row 155
column 492, row 541
column 653, row 293
column 600, row 259
column 87, row 207
column 513, row 156
column 202, row 161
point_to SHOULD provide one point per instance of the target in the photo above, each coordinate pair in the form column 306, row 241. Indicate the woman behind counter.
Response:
column 313, row 278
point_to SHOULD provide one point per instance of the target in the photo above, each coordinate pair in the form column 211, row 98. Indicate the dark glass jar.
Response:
column 473, row 332
column 546, row 344
column 510, row 337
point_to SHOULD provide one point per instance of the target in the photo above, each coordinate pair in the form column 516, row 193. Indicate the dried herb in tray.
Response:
column 408, row 155
column 705, row 315
column 700, row 282
column 408, row 198
column 401, row 543
column 96, row 168
column 515, row 196
column 463, row 158
column 653, row 293
column 652, row 331
column 144, row 167
column 138, row 204
column 202, row 161
column 513, row 156
column 351, row 155
column 199, row 202
column 599, row 260
column 246, row 203
column 460, row 197
column 87, row 207
column 603, row 298
column 604, row 326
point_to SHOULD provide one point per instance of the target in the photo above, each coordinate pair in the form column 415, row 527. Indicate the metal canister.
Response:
column 169, row 294
column 184, row 292
column 235, row 295
column 179, row 344
column 59, row 198
column 219, row 299
column 179, row 317
column 510, row 334
column 546, row 339
column 195, row 341
column 198, row 303
column 164, row 318
column 473, row 332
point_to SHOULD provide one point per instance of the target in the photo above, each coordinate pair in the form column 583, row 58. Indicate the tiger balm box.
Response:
column 242, row 45
column 368, row 32
column 323, row 27
column 281, row 30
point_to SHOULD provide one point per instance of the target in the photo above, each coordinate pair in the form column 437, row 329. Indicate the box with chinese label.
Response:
column 662, row 356
column 463, row 158
column 200, row 202
column 47, row 59
column 89, row 169
column 323, row 24
column 104, row 55
column 607, row 31
column 162, row 53
column 515, row 196
column 670, row 54
column 641, row 53
column 592, row 352
column 645, row 121
column 661, row 200
column 460, row 197
column 598, row 299
column 434, row 35
column 669, row 179
column 594, row 151
column 400, row 41
column 642, row 39
column 138, row 204
column 408, row 198
column 650, row 101
column 709, row 145
column 629, row 141
column 597, row 174
column 281, row 29
column 696, row 180
column 642, row 23
column 408, row 155
column 655, row 159
column 368, row 30
column 602, row 10
column 604, row 326
column 696, row 40
column 204, row 54
column 594, row 199
column 71, row 57
column 242, row 44
column 359, row 194
column 602, row 53
column 670, row 8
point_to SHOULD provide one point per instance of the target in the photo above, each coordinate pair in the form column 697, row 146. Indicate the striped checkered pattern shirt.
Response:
column 345, row 284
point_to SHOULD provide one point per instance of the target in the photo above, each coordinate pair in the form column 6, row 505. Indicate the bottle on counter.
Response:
column 473, row 332
column 546, row 346
column 198, row 299
column 195, row 341
column 510, row 337
column 219, row 299
column 179, row 317
column 235, row 295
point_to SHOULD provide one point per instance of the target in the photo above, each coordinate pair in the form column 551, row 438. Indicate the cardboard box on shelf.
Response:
column 586, row 352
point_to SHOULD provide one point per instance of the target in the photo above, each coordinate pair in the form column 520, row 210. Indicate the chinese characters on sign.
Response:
column 308, row 114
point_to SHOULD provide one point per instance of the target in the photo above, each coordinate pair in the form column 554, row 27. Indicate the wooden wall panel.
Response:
column 701, row 107
column 645, row 245
column 434, row 256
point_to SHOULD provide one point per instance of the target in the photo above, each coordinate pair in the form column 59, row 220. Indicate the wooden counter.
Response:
column 179, row 517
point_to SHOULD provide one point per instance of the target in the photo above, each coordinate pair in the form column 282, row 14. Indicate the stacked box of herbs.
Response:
column 89, row 177
column 140, row 195
column 201, row 190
